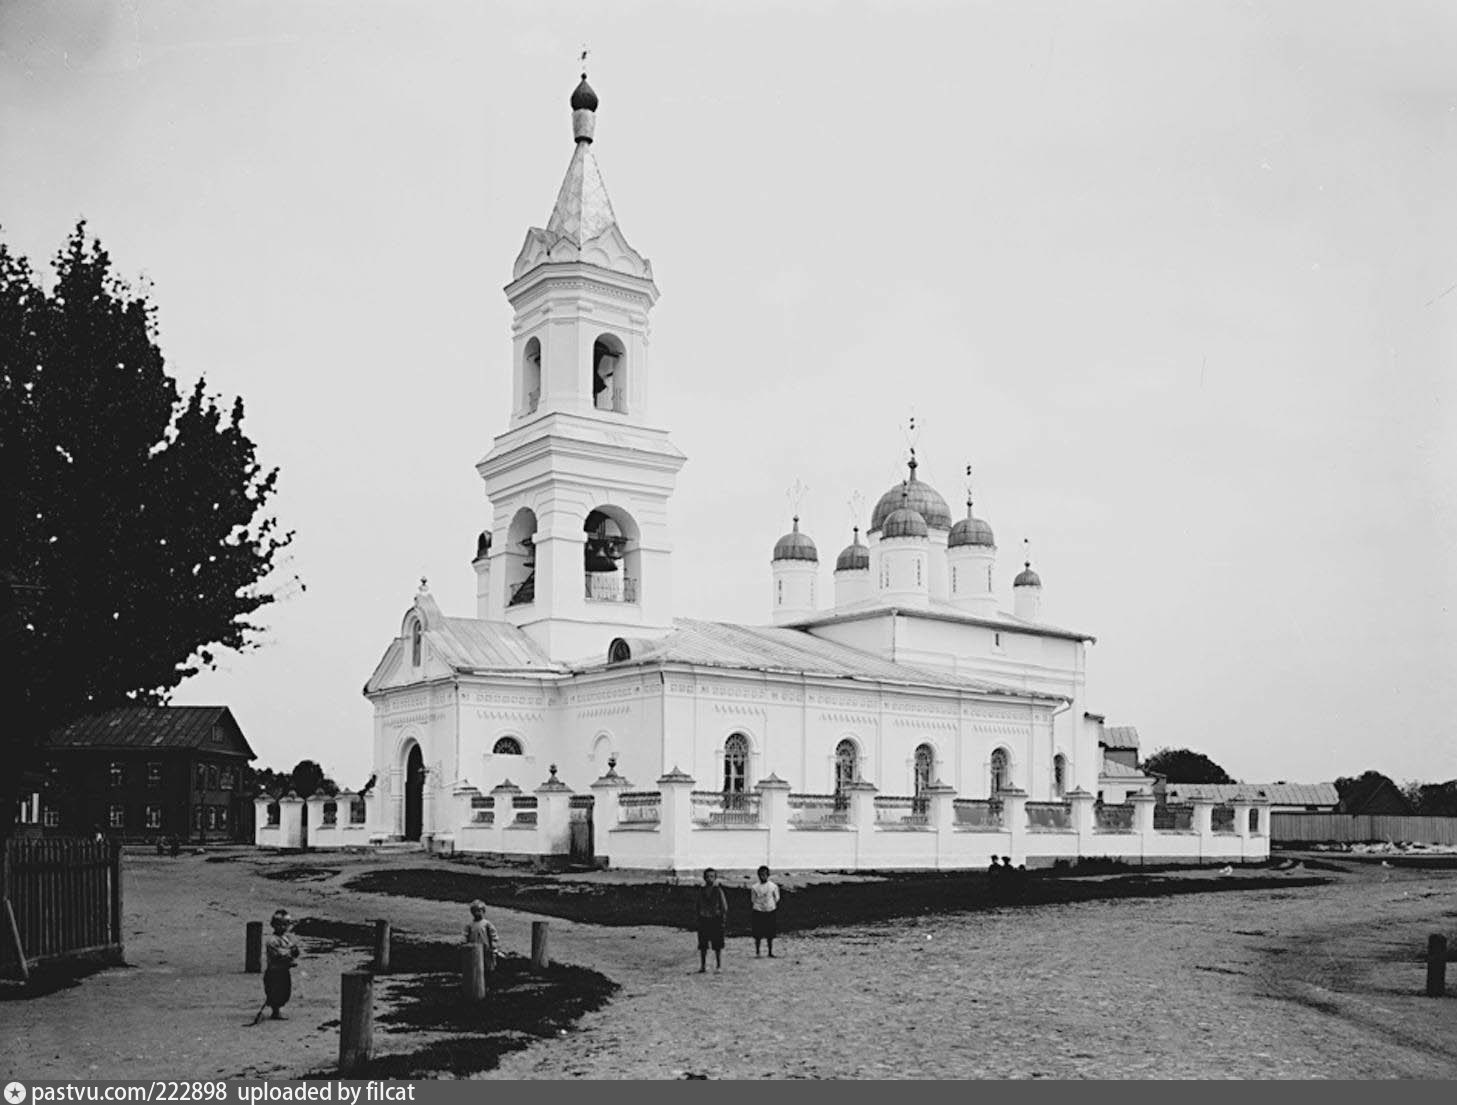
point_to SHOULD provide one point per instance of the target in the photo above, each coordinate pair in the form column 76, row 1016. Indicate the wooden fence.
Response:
column 64, row 896
column 1358, row 828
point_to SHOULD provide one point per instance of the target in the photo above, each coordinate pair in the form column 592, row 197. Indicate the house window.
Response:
column 736, row 764
column 210, row 817
column 50, row 817
column 225, row 779
column 154, row 774
column 222, row 817
column 197, row 819
column 154, row 817
column 118, row 773
column 1001, row 771
column 200, row 777
column 506, row 746
column 116, row 816
column 212, row 777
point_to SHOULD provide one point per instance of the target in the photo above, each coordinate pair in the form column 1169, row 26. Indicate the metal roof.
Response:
column 938, row 610
column 1279, row 794
column 1119, row 736
column 781, row 649
column 470, row 644
column 1113, row 769
column 152, row 727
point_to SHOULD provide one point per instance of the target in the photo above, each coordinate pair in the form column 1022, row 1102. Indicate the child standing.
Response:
column 481, row 931
column 763, row 921
column 712, row 910
column 280, row 952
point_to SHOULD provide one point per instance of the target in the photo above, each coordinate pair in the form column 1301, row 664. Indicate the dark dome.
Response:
column 584, row 99
column 971, row 531
column 1027, row 578
column 796, row 546
column 904, row 523
column 852, row 558
column 917, row 496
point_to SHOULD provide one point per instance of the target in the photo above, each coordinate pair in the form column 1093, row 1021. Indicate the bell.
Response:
column 598, row 557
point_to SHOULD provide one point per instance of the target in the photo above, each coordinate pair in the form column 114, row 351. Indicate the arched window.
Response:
column 611, row 556
column 953, row 579
column 1001, row 771
column 925, row 773
column 846, row 770
column 415, row 643
column 531, row 376
column 506, row 746
column 779, row 586
column 735, row 765
column 918, row 571
column 521, row 559
column 609, row 374
column 1059, row 775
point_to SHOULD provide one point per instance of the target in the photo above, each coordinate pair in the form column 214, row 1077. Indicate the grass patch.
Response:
column 301, row 874
column 816, row 906
column 423, row 984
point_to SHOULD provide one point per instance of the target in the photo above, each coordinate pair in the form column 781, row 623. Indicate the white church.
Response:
column 901, row 718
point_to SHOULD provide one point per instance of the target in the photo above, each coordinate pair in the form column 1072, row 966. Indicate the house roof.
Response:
column 1119, row 736
column 1113, row 769
column 1279, row 794
column 151, row 727
column 784, row 649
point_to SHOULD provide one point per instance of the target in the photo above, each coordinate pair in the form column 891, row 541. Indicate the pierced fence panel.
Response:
column 66, row 897
column 1113, row 818
column 819, row 811
column 724, row 809
column 977, row 813
column 1049, row 815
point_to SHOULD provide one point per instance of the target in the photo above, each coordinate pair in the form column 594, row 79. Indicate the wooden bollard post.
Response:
column 540, row 957
column 253, row 951
column 473, row 972
column 381, row 947
column 1436, row 965
column 356, row 1020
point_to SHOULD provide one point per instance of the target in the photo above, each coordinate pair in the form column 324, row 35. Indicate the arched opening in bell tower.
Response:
column 612, row 558
column 521, row 559
column 531, row 376
column 609, row 374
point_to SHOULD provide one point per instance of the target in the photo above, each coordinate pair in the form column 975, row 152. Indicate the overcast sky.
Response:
column 1177, row 279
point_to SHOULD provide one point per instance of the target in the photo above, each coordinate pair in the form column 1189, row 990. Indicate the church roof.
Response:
column 582, row 210
column 471, row 644
column 1113, row 769
column 1119, row 736
column 780, row 649
column 940, row 610
column 915, row 495
column 796, row 546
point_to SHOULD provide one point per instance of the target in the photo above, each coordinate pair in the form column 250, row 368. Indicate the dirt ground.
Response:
column 1283, row 982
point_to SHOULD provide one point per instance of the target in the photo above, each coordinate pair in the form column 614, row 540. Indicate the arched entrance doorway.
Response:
column 414, row 793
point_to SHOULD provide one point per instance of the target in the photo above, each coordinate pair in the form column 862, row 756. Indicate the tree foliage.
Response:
column 1359, row 792
column 136, row 538
column 1432, row 799
column 1181, row 765
column 308, row 779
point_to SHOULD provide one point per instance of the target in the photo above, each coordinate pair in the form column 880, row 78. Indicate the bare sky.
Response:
column 1177, row 279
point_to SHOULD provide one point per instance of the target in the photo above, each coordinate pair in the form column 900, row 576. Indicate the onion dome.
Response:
column 796, row 546
column 1027, row 577
column 904, row 522
column 971, row 530
column 583, row 98
column 854, row 556
column 924, row 499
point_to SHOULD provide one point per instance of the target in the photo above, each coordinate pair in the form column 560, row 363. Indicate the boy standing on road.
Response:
column 280, row 951
column 763, row 920
column 712, row 911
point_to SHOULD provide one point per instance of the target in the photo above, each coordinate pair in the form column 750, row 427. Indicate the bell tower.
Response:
column 580, row 481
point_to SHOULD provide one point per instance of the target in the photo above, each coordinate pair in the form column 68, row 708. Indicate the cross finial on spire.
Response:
column 1026, row 553
column 968, row 491
column 424, row 585
column 795, row 494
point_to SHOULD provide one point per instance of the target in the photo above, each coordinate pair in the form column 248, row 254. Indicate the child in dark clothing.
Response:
column 712, row 913
column 280, row 951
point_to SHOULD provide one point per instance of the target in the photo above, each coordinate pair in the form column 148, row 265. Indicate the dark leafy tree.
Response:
column 1180, row 765
column 308, row 779
column 136, row 539
column 1432, row 799
column 1371, row 792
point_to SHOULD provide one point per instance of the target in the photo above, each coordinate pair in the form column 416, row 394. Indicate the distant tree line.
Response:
column 306, row 779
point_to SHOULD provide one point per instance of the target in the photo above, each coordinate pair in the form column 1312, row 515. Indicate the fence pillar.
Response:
column 1082, row 816
column 676, row 815
column 290, row 821
column 774, row 814
column 1204, row 824
column 382, row 942
column 941, row 818
column 861, row 796
column 253, row 948
column 260, row 817
column 356, row 1020
column 1436, row 965
column 604, row 807
column 553, row 817
column 1014, row 821
column 1143, row 804
column 540, row 953
column 472, row 971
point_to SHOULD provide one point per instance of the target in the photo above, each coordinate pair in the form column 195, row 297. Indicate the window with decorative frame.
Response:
column 736, row 764
column 212, row 776
column 116, row 816
column 117, row 773
column 222, row 817
column 154, row 774
column 50, row 817
column 154, row 817
column 506, row 746
column 225, row 778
